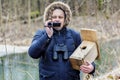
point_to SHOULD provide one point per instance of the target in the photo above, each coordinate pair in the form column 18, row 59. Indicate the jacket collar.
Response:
column 62, row 31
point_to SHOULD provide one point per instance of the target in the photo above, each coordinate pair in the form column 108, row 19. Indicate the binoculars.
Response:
column 62, row 49
column 54, row 24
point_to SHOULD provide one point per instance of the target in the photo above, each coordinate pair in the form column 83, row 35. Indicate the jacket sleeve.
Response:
column 39, row 44
column 92, row 72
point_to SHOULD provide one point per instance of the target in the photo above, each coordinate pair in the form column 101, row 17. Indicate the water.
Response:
column 22, row 67
column 18, row 67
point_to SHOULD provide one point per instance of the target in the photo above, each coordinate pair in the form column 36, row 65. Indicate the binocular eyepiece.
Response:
column 60, row 48
column 54, row 24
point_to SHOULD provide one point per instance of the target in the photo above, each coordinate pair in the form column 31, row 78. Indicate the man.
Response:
column 55, row 43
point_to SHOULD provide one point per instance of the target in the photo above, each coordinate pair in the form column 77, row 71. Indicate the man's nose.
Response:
column 57, row 19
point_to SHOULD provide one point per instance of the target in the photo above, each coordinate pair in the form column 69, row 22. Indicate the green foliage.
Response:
column 34, row 14
column 100, row 4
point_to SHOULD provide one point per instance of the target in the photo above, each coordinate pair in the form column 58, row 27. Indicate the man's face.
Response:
column 58, row 16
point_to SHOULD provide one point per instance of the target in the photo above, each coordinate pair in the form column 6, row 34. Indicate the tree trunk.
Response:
column 0, row 13
column 76, row 8
column 41, row 7
column 29, row 11
column 107, row 10
column 38, row 5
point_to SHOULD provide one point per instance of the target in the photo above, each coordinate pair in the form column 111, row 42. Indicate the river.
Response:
column 18, row 67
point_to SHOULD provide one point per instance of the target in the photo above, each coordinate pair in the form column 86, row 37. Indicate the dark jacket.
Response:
column 50, row 66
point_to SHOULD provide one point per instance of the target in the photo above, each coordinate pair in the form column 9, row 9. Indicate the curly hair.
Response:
column 58, row 5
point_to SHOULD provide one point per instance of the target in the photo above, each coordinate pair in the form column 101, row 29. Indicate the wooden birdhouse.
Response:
column 88, row 50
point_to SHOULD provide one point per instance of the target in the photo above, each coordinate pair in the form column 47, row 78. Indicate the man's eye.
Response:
column 53, row 16
column 60, row 17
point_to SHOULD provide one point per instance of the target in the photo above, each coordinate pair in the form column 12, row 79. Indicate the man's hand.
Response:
column 86, row 67
column 49, row 30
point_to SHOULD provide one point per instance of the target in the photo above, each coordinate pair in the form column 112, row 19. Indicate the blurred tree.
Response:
column 42, row 6
column 29, row 11
column 0, row 13
column 76, row 5
column 19, row 8
column 38, row 5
